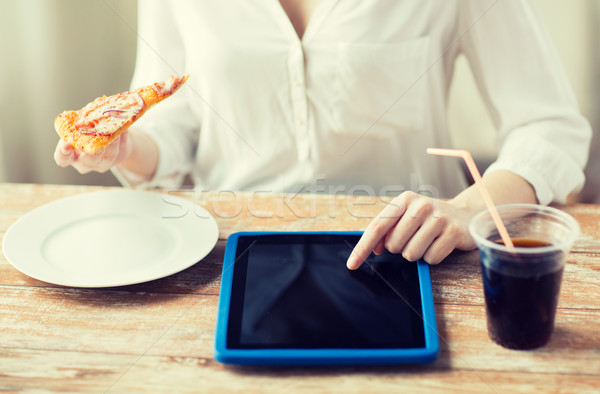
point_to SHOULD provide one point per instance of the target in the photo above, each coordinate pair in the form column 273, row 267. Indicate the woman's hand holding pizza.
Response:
column 97, row 137
column 116, row 152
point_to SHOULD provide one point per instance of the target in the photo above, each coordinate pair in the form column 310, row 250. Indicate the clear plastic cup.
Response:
column 522, row 285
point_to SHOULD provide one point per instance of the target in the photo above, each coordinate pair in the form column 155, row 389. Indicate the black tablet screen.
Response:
column 294, row 291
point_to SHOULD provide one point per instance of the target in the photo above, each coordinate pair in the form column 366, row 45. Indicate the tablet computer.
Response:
column 288, row 298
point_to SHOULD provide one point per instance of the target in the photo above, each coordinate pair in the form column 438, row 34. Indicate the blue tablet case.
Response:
column 234, row 352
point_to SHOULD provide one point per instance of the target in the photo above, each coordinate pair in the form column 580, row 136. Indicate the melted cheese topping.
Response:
column 169, row 85
column 166, row 88
column 106, row 115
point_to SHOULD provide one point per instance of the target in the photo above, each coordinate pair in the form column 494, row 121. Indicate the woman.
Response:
column 349, row 94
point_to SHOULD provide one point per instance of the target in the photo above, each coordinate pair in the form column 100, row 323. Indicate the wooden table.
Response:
column 158, row 336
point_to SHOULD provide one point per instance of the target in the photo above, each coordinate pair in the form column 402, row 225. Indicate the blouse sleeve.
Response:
column 543, row 136
column 171, row 124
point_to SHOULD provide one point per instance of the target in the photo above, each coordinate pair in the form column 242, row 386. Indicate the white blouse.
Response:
column 352, row 106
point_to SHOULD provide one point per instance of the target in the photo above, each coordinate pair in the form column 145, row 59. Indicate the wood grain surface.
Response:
column 158, row 336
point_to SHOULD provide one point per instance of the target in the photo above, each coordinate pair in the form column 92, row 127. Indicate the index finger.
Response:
column 63, row 155
column 375, row 232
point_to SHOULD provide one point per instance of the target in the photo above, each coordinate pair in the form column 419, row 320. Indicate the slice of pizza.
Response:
column 92, row 128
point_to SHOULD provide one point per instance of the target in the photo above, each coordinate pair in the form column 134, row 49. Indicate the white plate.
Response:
column 110, row 238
